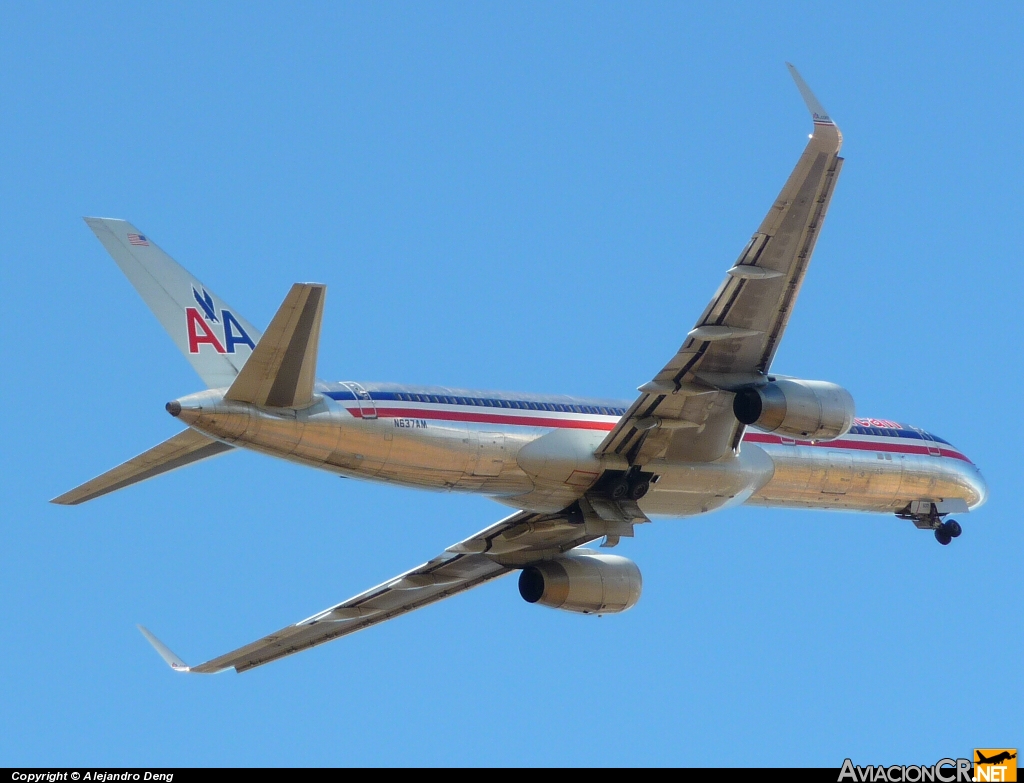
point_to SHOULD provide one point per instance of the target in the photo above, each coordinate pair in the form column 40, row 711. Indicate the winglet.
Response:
column 830, row 131
column 813, row 104
column 172, row 660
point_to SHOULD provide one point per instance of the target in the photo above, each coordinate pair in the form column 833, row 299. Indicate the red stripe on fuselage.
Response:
column 607, row 426
column 487, row 418
column 856, row 445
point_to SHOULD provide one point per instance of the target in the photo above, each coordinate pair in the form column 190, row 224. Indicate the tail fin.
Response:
column 177, row 452
column 213, row 337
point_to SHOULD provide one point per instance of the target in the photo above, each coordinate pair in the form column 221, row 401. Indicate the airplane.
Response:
column 999, row 758
column 714, row 428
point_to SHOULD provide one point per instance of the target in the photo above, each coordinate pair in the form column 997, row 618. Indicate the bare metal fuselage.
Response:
column 537, row 453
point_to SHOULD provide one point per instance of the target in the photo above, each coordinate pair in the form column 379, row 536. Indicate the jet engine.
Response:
column 583, row 582
column 801, row 409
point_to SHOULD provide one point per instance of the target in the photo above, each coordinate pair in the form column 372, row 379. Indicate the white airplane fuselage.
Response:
column 536, row 452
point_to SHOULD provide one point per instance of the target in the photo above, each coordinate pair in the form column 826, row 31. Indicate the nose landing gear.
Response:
column 947, row 531
column 928, row 516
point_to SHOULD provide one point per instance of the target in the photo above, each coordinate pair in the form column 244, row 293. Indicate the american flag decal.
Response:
column 138, row 239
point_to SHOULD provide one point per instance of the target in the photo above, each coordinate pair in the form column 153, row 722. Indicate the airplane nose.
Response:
column 173, row 408
column 980, row 488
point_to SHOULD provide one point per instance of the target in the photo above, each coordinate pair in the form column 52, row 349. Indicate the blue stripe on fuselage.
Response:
column 441, row 395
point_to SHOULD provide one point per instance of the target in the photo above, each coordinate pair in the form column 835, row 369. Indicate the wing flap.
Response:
column 177, row 452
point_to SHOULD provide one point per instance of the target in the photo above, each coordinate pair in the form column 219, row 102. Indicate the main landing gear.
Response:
column 634, row 487
column 632, row 484
column 947, row 531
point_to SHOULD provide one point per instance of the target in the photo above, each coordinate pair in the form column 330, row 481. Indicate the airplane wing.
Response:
column 519, row 539
column 685, row 411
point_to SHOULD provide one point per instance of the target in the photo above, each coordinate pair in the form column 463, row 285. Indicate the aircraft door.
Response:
column 490, row 453
column 839, row 475
column 367, row 407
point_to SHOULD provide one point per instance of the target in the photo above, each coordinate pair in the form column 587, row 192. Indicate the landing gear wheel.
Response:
column 942, row 535
column 620, row 490
column 952, row 527
column 639, row 489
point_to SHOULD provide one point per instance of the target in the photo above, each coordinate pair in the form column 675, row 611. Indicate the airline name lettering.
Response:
column 885, row 423
column 200, row 332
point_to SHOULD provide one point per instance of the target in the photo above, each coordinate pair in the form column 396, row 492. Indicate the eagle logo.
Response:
column 205, row 302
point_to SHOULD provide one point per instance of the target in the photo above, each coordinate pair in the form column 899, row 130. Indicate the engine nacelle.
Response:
column 579, row 582
column 801, row 409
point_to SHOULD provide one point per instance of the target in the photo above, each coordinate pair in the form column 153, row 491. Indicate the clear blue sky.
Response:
column 537, row 197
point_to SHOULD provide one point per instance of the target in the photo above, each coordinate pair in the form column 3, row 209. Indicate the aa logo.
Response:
column 999, row 764
column 200, row 332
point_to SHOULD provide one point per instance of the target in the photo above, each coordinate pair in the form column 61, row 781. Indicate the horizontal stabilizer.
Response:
column 281, row 372
column 183, row 449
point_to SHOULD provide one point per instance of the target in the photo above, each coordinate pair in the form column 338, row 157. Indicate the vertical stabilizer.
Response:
column 215, row 339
